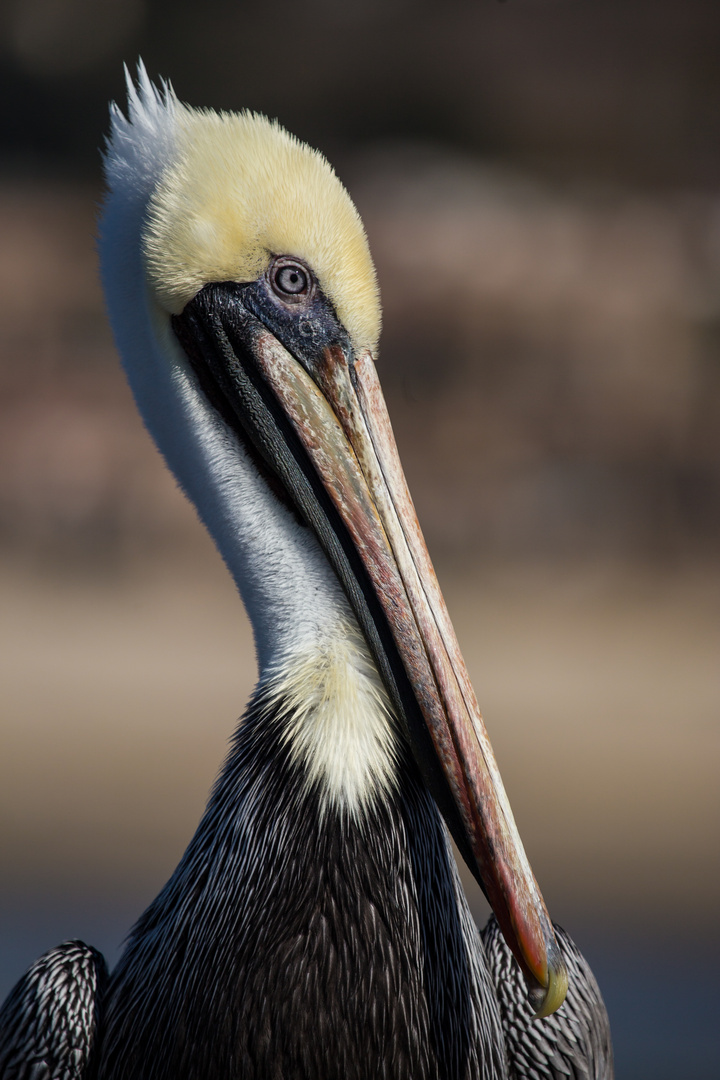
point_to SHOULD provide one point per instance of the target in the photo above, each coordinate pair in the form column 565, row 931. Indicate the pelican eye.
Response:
column 290, row 279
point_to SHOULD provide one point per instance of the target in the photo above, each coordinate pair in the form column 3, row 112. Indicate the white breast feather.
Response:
column 339, row 720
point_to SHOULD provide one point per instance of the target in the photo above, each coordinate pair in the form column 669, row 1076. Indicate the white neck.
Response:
column 305, row 632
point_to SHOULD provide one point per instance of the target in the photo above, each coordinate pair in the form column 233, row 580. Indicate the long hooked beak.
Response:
column 327, row 436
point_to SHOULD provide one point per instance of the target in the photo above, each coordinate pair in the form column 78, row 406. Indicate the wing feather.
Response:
column 49, row 1021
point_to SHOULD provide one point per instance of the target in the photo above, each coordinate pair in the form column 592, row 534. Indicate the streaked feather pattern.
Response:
column 297, row 943
column 572, row 1044
column 49, row 1022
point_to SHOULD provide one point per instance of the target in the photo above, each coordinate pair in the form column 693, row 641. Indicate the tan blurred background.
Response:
column 541, row 185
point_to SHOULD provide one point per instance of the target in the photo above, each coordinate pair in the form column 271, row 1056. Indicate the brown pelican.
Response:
column 315, row 927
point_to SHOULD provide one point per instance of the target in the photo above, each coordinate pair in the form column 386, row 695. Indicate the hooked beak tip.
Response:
column 547, row 1000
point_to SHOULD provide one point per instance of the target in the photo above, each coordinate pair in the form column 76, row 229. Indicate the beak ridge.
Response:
column 340, row 417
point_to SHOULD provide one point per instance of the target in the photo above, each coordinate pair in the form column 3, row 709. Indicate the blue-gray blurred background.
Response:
column 541, row 186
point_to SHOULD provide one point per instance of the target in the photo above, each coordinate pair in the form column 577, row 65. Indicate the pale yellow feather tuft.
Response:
column 240, row 190
column 339, row 722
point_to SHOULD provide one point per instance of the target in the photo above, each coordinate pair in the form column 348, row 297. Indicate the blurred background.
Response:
column 540, row 182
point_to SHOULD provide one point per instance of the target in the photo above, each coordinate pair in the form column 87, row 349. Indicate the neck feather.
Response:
column 309, row 649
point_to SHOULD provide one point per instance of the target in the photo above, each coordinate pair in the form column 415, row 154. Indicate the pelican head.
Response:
column 245, row 306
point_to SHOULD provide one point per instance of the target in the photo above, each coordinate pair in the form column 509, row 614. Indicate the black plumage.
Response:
column 295, row 941
column 309, row 943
